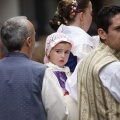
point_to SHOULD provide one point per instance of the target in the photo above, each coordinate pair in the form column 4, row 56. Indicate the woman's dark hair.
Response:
column 63, row 12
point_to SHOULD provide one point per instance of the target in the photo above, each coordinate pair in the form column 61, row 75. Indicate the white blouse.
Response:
column 83, row 42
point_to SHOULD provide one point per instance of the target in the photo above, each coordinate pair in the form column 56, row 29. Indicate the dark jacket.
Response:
column 20, row 88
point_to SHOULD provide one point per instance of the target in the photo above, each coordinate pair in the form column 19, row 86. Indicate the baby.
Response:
column 58, row 104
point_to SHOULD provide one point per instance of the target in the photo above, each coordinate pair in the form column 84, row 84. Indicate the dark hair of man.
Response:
column 14, row 32
column 105, row 15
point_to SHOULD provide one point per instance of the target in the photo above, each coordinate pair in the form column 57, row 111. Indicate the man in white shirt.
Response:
column 99, row 73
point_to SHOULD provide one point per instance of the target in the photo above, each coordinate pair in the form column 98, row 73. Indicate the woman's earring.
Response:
column 82, row 26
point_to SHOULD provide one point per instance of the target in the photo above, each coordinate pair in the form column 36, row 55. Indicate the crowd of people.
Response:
column 79, row 78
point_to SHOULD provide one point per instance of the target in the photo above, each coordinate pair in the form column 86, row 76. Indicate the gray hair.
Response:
column 14, row 32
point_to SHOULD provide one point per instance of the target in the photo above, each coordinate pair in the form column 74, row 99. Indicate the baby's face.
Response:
column 60, row 53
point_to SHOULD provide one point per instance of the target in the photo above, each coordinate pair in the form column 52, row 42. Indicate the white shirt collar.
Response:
column 57, row 68
column 76, row 34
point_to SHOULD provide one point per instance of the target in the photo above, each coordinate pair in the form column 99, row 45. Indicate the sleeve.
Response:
column 53, row 98
column 110, row 77
column 81, row 51
column 71, row 84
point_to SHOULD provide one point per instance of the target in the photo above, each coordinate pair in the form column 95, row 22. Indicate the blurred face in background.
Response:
column 87, row 17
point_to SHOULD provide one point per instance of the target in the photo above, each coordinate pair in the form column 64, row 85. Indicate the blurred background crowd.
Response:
column 39, row 12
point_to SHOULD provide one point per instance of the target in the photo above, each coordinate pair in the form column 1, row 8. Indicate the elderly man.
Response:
column 20, row 78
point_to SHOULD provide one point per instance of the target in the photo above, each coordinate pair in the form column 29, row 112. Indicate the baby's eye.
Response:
column 67, row 52
column 58, row 51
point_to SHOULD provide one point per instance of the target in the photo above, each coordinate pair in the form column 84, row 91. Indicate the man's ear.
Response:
column 28, row 41
column 102, row 35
